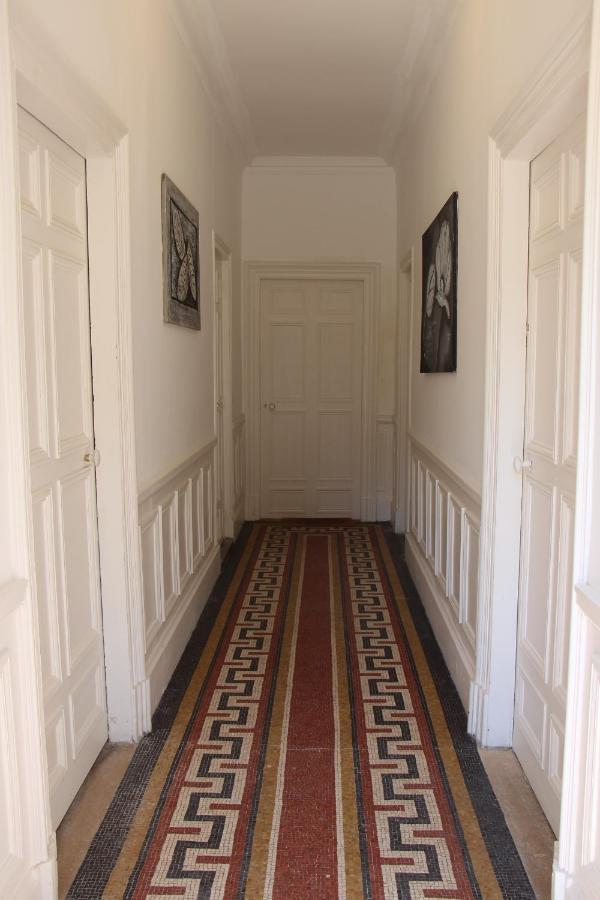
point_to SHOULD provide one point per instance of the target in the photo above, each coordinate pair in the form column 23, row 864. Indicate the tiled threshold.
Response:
column 85, row 814
column 528, row 825
column 530, row 830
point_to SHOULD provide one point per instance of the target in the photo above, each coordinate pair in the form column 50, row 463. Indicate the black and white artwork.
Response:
column 181, row 266
column 440, row 278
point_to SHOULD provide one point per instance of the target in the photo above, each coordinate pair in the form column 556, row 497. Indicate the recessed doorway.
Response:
column 62, row 456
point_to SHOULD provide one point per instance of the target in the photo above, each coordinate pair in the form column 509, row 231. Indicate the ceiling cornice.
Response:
column 426, row 42
column 199, row 30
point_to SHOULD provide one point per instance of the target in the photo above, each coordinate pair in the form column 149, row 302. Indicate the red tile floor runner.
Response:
column 312, row 754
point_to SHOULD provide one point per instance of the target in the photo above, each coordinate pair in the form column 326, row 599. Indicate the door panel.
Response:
column 555, row 243
column 46, row 588
column 287, row 445
column 311, row 377
column 538, row 541
column 334, row 441
column 61, row 434
column 543, row 349
column 336, row 361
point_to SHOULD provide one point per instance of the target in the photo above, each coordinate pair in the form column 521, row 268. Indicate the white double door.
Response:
column 311, row 409
column 61, row 445
column 550, row 456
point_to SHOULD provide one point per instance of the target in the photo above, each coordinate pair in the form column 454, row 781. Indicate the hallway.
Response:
column 310, row 743
column 299, row 449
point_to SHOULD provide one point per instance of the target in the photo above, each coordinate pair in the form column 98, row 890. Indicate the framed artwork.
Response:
column 439, row 286
column 181, row 265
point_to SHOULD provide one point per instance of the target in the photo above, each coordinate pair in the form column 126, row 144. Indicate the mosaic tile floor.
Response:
column 310, row 744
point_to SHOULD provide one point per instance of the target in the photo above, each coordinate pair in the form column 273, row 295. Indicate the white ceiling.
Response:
column 319, row 77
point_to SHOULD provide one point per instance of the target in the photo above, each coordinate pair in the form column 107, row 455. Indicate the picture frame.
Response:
column 439, row 291
column 181, row 262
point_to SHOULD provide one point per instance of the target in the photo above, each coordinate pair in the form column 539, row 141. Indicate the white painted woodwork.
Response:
column 368, row 276
column 384, row 467
column 27, row 851
column 223, row 387
column 219, row 265
column 442, row 552
column 310, row 388
column 542, row 108
column 180, row 554
column 70, row 107
column 403, row 375
column 239, row 474
column 550, row 444
column 577, row 860
column 61, row 443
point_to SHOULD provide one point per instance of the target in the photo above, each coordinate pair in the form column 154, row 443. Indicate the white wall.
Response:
column 318, row 211
column 131, row 55
column 490, row 52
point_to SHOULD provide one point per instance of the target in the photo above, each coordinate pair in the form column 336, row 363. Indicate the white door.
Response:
column 311, row 378
column 61, row 444
column 550, row 455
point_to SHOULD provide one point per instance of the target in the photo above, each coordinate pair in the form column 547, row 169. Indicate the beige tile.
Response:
column 85, row 814
column 529, row 827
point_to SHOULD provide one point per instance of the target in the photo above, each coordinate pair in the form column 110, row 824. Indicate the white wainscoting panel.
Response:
column 385, row 454
column 239, row 473
column 442, row 552
column 180, row 561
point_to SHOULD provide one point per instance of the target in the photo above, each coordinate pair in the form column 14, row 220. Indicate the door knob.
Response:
column 271, row 406
column 92, row 458
column 522, row 465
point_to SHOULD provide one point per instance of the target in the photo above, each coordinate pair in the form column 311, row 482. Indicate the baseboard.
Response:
column 459, row 659
column 47, row 879
column 478, row 702
column 167, row 651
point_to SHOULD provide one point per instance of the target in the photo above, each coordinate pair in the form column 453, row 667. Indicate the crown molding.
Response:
column 566, row 64
column 199, row 31
column 425, row 45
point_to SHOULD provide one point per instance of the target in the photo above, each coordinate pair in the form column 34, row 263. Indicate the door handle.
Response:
column 270, row 406
column 522, row 465
column 92, row 458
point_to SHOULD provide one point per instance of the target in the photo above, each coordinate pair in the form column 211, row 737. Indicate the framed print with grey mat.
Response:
column 181, row 264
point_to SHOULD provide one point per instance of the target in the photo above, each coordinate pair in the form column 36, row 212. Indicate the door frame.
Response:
column 30, row 870
column 47, row 87
column 404, row 348
column 576, row 871
column 547, row 105
column 369, row 274
column 221, row 250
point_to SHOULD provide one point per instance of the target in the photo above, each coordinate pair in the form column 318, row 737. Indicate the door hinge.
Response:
column 527, row 329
